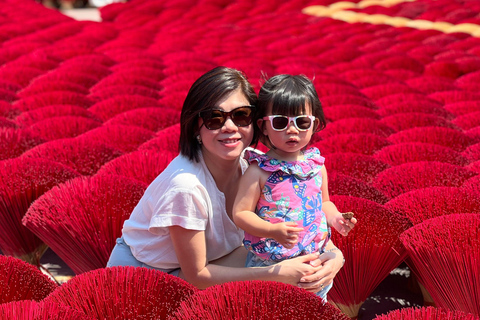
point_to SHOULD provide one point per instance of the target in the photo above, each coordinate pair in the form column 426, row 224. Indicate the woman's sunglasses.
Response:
column 280, row 123
column 215, row 119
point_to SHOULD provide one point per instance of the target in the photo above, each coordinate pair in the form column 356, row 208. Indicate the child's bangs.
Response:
column 290, row 102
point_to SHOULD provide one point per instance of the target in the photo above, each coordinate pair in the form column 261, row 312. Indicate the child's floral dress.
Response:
column 291, row 193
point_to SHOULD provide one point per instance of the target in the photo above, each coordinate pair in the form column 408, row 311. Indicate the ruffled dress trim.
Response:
column 303, row 169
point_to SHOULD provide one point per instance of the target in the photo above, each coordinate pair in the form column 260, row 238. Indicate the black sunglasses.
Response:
column 215, row 118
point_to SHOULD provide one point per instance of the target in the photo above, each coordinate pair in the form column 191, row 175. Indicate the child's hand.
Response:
column 344, row 223
column 285, row 233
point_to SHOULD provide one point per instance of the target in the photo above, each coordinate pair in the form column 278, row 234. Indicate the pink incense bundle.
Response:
column 39, row 87
column 343, row 111
column 83, row 155
column 116, row 79
column 426, row 313
column 174, row 99
column 336, row 54
column 341, row 184
column 463, row 107
column 474, row 166
column 28, row 118
column 63, row 127
column 333, row 100
column 469, row 78
column 96, row 69
column 20, row 76
column 328, row 88
column 33, row 60
column 14, row 142
column 125, row 138
column 363, row 143
column 32, row 310
column 474, row 134
column 80, row 78
column 180, row 81
column 400, row 153
column 7, row 123
column 123, row 89
column 426, row 203
column 383, row 90
column 7, row 95
column 20, row 280
column 446, row 69
column 8, row 111
column 366, row 77
column 447, row 137
column 294, row 65
column 371, row 251
column 262, row 300
column 103, row 31
column 356, row 125
column 82, row 218
column 153, row 118
column 359, row 166
column 474, row 182
column 152, row 62
column 123, row 293
column 141, row 165
column 166, row 139
column 109, row 108
column 405, row 121
column 422, row 174
column 126, row 68
column 46, row 99
column 430, row 84
column 452, row 96
column 467, row 121
column 444, row 254
column 415, row 99
column 368, row 59
column 22, row 181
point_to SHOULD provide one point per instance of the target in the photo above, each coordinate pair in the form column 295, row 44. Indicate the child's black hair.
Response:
column 290, row 95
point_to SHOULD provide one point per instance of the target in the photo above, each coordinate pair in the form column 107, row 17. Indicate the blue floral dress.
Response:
column 291, row 193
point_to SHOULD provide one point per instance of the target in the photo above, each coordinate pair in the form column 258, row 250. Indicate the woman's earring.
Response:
column 199, row 139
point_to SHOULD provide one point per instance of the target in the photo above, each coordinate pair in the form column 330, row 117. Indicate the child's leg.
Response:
column 323, row 293
column 254, row 261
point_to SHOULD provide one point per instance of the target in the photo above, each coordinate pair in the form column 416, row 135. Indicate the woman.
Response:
column 183, row 223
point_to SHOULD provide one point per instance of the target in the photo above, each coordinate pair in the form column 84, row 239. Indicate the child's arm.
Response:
column 249, row 190
column 334, row 217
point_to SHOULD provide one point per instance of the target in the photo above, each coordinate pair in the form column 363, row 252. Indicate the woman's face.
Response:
column 229, row 141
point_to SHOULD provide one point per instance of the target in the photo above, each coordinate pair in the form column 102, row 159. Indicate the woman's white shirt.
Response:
column 185, row 195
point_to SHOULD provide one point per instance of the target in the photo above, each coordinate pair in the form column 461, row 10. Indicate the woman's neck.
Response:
column 223, row 171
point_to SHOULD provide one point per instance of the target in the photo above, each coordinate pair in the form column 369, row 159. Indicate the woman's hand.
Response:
column 290, row 271
column 328, row 265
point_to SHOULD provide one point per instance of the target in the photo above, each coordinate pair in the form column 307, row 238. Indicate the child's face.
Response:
column 296, row 134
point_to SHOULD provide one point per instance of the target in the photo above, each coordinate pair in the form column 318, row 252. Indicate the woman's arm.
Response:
column 285, row 233
column 190, row 248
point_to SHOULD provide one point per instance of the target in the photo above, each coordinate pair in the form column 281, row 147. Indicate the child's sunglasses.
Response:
column 215, row 118
column 280, row 123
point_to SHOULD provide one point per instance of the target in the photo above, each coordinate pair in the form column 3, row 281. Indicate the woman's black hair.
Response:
column 206, row 93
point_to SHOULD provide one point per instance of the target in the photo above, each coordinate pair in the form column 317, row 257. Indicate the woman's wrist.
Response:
column 336, row 250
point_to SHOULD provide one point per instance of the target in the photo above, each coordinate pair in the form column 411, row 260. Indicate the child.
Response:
column 283, row 204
